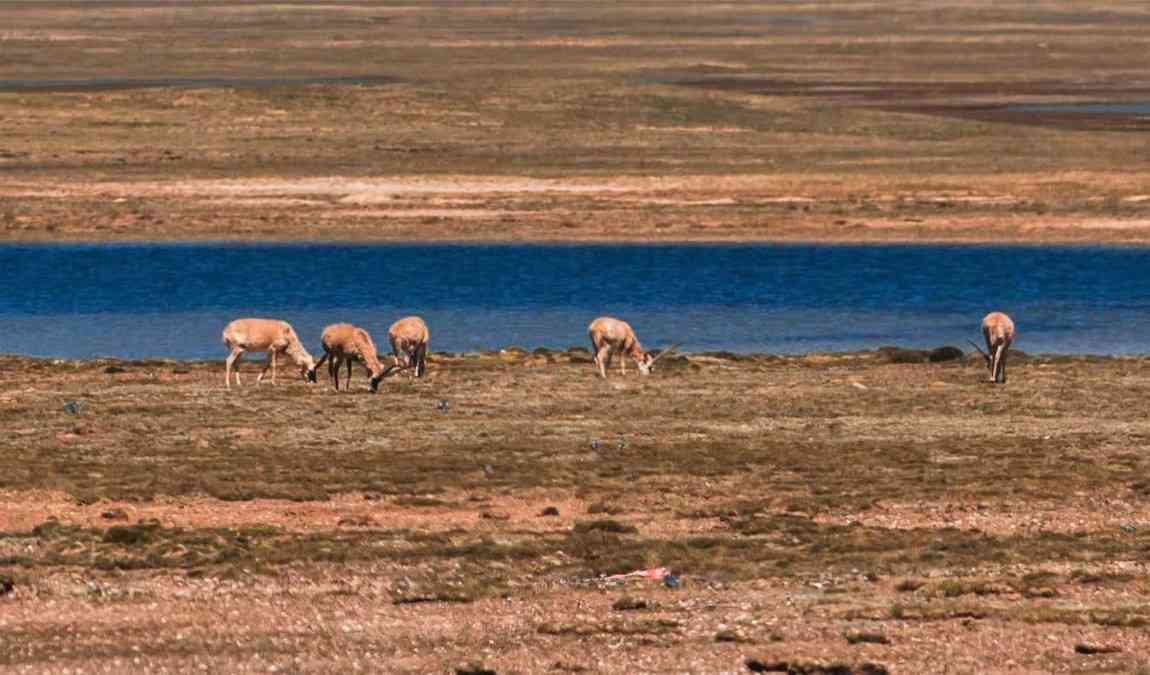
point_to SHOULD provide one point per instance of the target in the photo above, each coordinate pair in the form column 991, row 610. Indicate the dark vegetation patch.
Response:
column 814, row 668
column 628, row 603
column 613, row 627
column 903, row 355
column 943, row 354
column 609, row 508
column 604, row 525
column 729, row 635
column 418, row 501
column 866, row 637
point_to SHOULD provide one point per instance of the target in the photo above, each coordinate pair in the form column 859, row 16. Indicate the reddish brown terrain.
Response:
column 856, row 120
column 818, row 511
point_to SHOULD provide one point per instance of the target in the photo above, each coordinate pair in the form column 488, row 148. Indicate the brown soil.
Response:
column 572, row 121
column 820, row 510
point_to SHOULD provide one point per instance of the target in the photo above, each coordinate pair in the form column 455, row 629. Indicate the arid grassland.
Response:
column 821, row 510
column 851, row 120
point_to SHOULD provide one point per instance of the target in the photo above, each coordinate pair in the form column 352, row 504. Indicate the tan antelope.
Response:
column 345, row 343
column 409, row 338
column 998, row 331
column 610, row 336
column 265, row 335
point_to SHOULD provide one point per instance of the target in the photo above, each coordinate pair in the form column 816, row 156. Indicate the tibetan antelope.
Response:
column 998, row 331
column 344, row 343
column 265, row 335
column 610, row 336
column 409, row 338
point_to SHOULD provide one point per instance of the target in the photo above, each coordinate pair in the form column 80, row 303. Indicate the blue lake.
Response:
column 1097, row 108
column 172, row 300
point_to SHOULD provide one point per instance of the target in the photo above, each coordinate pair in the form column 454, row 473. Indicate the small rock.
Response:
column 494, row 515
column 672, row 581
column 800, row 668
column 441, row 405
column 627, row 604
column 112, row 370
column 858, row 637
column 474, row 669
column 488, row 471
column 731, row 636
column 114, row 514
column 6, row 585
column 1083, row 648
column 550, row 511
column 73, row 407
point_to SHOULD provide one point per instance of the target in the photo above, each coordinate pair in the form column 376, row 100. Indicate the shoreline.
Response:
column 1036, row 242
column 881, row 355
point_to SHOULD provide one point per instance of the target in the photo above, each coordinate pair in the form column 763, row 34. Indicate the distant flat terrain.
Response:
column 818, row 510
column 856, row 121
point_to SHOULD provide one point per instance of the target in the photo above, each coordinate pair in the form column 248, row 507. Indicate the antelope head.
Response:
column 307, row 370
column 386, row 372
column 647, row 364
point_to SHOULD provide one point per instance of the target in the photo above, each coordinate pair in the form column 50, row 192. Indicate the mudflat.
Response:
column 815, row 511
column 849, row 121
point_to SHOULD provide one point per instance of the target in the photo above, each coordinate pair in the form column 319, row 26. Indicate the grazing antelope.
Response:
column 265, row 335
column 610, row 336
column 344, row 343
column 998, row 331
column 409, row 338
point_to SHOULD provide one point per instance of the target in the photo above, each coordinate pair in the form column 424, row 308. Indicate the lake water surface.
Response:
column 1095, row 108
column 172, row 300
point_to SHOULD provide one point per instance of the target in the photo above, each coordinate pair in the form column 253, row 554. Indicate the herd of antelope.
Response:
column 344, row 343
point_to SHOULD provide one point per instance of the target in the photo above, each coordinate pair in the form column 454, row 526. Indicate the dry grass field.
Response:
column 820, row 511
column 852, row 120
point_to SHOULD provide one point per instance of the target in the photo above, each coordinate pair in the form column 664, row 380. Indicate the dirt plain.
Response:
column 820, row 511
column 859, row 121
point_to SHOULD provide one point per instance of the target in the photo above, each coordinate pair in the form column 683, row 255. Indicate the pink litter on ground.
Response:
column 653, row 573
